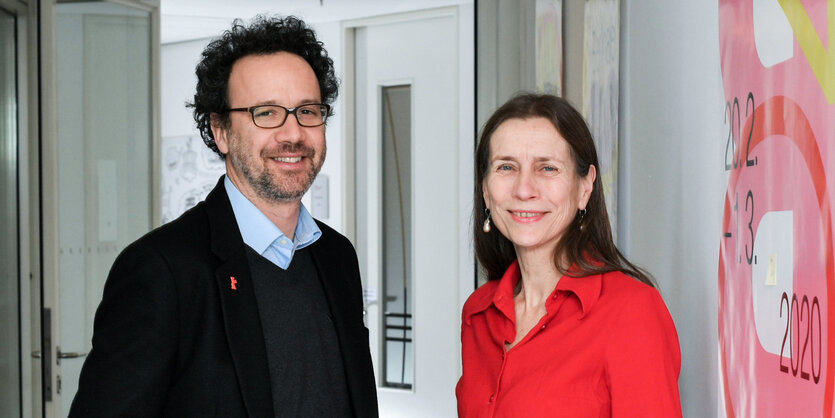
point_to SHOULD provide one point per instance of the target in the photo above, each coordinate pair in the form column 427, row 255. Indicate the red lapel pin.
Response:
column 234, row 282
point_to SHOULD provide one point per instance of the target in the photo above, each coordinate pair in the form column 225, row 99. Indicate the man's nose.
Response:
column 290, row 131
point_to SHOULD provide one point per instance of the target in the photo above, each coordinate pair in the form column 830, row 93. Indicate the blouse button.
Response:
column 491, row 398
column 543, row 327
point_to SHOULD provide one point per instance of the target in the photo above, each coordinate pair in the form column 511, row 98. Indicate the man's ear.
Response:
column 219, row 132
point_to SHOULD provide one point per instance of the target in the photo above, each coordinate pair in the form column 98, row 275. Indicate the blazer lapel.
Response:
column 241, row 320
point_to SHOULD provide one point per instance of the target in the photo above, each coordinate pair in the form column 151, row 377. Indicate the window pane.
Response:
column 398, row 367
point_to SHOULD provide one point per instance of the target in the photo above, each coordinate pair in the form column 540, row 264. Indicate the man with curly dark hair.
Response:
column 245, row 305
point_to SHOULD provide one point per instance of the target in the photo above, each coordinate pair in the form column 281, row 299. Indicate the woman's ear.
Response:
column 587, row 186
column 485, row 194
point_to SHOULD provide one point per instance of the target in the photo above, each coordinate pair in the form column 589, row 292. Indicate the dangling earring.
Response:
column 486, row 227
column 582, row 213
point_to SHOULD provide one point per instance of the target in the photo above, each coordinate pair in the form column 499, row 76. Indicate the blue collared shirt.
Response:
column 260, row 233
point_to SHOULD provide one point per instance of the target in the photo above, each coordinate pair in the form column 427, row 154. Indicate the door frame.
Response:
column 464, row 15
column 29, row 291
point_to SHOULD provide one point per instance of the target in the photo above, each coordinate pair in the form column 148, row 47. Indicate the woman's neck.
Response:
column 539, row 276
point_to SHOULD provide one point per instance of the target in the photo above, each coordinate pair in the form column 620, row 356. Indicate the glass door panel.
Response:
column 397, row 236
column 104, row 160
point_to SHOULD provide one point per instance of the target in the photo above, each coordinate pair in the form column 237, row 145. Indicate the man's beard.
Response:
column 282, row 189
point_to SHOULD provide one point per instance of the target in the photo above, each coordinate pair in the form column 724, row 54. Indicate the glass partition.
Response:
column 104, row 159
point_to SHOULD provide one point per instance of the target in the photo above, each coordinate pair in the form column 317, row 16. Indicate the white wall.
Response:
column 177, row 82
column 672, row 180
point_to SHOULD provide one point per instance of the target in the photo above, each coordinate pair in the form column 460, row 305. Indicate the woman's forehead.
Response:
column 535, row 138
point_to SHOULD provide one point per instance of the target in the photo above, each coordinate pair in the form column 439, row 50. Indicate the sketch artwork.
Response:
column 189, row 171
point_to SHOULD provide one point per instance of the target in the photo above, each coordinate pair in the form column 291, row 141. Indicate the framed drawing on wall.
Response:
column 601, row 55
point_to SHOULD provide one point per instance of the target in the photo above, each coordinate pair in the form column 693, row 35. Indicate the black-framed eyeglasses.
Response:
column 273, row 116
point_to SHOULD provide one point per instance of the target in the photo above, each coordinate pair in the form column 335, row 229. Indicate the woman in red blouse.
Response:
column 566, row 326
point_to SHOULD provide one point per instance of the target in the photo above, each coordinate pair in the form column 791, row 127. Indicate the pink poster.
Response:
column 776, row 279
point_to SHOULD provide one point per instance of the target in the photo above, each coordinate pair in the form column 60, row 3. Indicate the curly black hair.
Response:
column 263, row 35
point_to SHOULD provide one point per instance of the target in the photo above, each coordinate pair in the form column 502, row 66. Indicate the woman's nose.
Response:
column 525, row 187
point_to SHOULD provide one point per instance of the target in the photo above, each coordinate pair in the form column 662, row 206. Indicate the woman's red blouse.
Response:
column 607, row 347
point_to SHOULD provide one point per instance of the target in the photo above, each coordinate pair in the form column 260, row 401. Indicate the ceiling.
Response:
column 183, row 20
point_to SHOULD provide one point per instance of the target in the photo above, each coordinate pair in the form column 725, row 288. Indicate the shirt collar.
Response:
column 258, row 231
column 586, row 289
column 307, row 232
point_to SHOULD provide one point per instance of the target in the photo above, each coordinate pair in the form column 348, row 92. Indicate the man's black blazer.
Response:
column 174, row 337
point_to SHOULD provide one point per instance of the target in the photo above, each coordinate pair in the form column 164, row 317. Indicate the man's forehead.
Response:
column 278, row 58
column 272, row 78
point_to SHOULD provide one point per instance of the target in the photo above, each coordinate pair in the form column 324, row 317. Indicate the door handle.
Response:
column 69, row 354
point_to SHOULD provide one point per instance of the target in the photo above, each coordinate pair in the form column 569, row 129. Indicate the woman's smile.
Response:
column 527, row 216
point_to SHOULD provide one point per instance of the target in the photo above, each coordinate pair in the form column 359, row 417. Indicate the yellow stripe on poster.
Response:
column 821, row 61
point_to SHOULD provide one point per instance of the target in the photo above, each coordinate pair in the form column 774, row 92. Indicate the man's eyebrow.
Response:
column 273, row 102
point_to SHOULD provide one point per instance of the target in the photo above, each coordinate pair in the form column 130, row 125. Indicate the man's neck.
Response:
column 285, row 215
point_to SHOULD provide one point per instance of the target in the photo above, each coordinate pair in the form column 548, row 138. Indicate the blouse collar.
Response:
column 586, row 289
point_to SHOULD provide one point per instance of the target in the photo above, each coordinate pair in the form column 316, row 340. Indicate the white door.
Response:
column 412, row 165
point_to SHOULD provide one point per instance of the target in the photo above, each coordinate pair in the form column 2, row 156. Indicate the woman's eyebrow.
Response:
column 504, row 158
